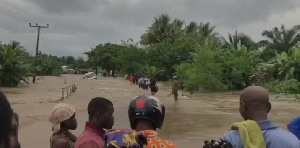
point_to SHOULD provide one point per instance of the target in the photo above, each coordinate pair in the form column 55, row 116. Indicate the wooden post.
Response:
column 70, row 90
column 62, row 92
column 67, row 91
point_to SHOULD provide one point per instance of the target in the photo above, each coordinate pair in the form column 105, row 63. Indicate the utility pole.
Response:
column 37, row 42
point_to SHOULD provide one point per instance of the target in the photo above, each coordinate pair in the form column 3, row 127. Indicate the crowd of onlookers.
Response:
column 146, row 114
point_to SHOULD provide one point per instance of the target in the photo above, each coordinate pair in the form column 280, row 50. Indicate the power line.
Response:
column 12, row 14
column 17, row 8
column 22, row 14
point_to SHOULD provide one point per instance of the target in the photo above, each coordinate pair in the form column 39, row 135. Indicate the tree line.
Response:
column 16, row 64
column 202, row 58
column 205, row 60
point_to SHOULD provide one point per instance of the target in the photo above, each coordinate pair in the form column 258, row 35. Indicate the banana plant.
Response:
column 152, row 71
column 289, row 64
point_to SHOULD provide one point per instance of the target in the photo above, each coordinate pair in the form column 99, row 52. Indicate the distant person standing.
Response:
column 131, row 79
column 113, row 73
column 175, row 87
column 140, row 81
column 146, row 83
column 153, row 86
column 134, row 77
column 126, row 77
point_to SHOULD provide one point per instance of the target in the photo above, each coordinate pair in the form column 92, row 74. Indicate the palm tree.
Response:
column 46, row 65
column 281, row 39
column 235, row 38
column 162, row 30
column 152, row 71
column 14, row 66
column 191, row 28
column 157, row 32
column 205, row 29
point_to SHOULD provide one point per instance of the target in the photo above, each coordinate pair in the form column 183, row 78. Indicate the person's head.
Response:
column 254, row 103
column 5, row 120
column 63, row 118
column 175, row 78
column 100, row 112
column 146, row 112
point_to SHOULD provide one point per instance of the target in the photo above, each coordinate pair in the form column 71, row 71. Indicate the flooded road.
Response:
column 188, row 122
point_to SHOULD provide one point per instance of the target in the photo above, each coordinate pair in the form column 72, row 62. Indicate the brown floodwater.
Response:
column 188, row 122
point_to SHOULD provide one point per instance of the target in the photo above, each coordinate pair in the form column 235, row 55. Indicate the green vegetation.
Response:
column 203, row 60
column 206, row 61
column 16, row 65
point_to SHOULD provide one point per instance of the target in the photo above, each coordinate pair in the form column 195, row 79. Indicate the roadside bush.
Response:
column 205, row 73
column 288, row 86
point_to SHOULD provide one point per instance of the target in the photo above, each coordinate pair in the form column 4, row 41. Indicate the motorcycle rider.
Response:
column 146, row 113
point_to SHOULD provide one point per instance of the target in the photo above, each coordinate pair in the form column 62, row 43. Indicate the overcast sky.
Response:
column 78, row 25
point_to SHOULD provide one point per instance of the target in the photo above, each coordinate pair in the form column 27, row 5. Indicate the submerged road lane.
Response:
column 188, row 122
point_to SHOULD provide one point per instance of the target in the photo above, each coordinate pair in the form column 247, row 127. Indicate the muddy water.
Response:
column 188, row 122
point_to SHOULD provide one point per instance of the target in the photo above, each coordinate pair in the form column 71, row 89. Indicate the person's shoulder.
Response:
column 282, row 138
column 60, row 143
column 233, row 137
column 118, row 130
column 231, row 134
column 87, row 144
column 160, row 143
column 87, row 140
column 87, row 136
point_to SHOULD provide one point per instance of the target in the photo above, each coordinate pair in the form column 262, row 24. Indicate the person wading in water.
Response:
column 175, row 87
column 63, row 119
column 153, row 86
column 146, row 113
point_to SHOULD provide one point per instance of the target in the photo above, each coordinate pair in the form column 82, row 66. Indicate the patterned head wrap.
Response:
column 61, row 112
column 125, row 139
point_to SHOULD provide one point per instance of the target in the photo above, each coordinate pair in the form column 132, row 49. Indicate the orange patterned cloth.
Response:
column 155, row 142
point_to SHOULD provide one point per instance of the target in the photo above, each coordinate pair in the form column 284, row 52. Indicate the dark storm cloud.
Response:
column 233, row 12
column 77, row 25
column 67, row 6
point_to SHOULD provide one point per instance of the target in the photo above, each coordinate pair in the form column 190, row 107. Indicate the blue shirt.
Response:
column 294, row 127
column 274, row 137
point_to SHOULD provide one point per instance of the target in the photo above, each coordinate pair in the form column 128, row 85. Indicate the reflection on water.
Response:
column 188, row 122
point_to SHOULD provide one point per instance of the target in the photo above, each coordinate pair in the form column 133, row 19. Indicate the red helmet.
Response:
column 146, row 107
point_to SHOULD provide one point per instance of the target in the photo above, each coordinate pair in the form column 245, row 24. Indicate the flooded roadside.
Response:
column 188, row 122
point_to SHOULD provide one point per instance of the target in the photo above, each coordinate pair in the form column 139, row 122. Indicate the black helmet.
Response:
column 146, row 107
